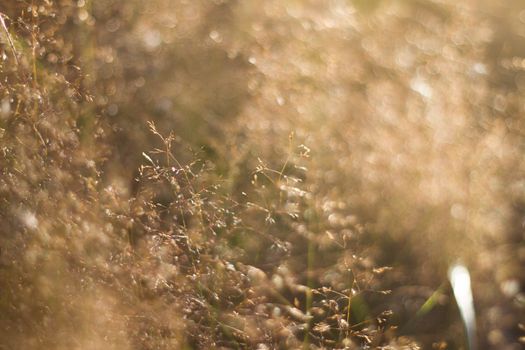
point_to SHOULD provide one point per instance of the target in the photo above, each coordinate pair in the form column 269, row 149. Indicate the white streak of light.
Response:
column 460, row 279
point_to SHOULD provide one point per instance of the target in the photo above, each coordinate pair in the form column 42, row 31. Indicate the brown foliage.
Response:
column 226, row 174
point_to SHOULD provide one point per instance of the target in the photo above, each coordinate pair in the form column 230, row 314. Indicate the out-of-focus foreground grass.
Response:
column 186, row 174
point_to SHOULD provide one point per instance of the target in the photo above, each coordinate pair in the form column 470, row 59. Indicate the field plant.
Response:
column 225, row 174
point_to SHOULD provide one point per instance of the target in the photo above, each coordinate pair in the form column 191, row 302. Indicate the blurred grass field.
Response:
column 229, row 174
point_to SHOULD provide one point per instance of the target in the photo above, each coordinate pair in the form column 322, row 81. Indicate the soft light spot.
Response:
column 83, row 15
column 457, row 211
column 5, row 108
column 479, row 68
column 29, row 220
column 215, row 36
column 151, row 39
column 421, row 87
column 510, row 287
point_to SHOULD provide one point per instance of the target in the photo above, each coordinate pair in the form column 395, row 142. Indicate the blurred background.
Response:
column 322, row 148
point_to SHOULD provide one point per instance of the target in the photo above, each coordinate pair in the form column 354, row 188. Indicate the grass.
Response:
column 230, row 175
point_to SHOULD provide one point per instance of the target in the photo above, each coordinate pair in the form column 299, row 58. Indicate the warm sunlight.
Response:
column 277, row 174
